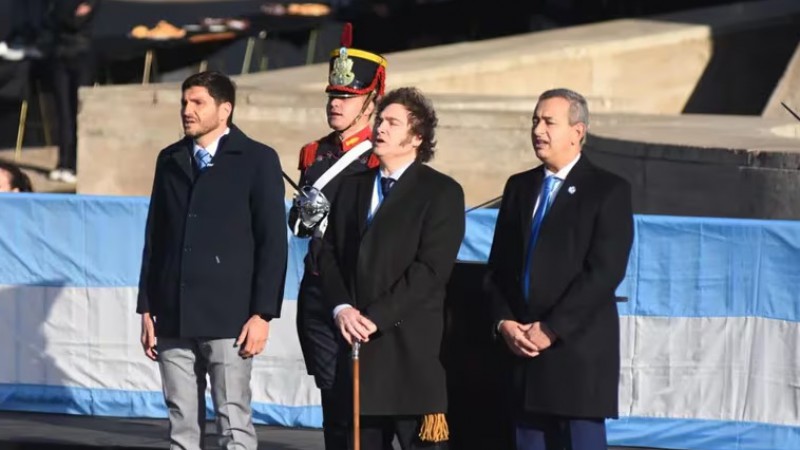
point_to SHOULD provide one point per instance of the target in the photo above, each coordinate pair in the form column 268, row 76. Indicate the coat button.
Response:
column 187, row 249
column 397, row 324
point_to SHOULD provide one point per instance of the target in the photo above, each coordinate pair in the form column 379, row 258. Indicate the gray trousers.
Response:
column 184, row 364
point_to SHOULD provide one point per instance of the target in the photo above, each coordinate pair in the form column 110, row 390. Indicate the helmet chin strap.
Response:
column 367, row 101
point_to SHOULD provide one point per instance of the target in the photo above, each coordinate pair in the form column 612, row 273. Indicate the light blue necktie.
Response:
column 203, row 159
column 545, row 199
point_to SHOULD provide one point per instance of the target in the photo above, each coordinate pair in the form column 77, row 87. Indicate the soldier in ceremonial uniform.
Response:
column 356, row 80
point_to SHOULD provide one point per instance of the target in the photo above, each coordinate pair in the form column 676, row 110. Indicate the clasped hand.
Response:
column 526, row 340
column 354, row 326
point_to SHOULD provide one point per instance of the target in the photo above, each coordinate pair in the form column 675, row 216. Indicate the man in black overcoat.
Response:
column 561, row 245
column 391, row 244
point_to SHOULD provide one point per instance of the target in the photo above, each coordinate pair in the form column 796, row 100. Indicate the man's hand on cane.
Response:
column 354, row 326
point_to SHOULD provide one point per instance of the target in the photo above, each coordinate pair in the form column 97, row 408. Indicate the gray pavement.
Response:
column 33, row 431
column 28, row 431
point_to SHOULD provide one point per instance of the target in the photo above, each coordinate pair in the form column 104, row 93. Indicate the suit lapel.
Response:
column 567, row 193
column 566, row 197
column 183, row 158
column 527, row 202
column 232, row 143
column 227, row 144
column 403, row 187
column 364, row 199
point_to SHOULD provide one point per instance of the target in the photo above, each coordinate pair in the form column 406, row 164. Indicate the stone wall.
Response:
column 484, row 93
column 787, row 91
column 479, row 148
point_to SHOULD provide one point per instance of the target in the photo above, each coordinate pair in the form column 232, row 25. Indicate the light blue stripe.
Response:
column 679, row 266
column 68, row 240
column 695, row 267
column 478, row 237
column 120, row 403
column 703, row 267
column 91, row 241
column 701, row 434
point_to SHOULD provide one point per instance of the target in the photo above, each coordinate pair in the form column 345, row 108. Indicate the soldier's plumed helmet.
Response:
column 355, row 72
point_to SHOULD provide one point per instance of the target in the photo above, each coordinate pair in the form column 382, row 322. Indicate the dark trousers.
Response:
column 336, row 418
column 69, row 74
column 542, row 432
column 378, row 432
column 321, row 350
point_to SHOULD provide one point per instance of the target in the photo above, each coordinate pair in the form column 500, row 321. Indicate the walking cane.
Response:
column 356, row 399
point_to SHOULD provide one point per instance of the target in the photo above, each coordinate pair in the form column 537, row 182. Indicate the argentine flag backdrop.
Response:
column 710, row 334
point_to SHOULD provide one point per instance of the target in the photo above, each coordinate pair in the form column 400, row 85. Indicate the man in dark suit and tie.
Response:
column 391, row 243
column 213, row 266
column 561, row 246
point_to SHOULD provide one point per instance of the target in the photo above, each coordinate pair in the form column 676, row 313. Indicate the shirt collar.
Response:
column 397, row 173
column 562, row 174
column 212, row 147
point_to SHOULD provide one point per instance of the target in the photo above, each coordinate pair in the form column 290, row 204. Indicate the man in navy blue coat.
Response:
column 214, row 264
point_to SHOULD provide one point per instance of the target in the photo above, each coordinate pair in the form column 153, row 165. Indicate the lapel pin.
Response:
column 571, row 190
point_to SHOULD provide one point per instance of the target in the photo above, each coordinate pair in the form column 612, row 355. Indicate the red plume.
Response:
column 347, row 35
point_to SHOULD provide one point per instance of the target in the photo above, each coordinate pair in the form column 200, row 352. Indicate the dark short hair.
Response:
column 221, row 88
column 421, row 116
column 19, row 179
